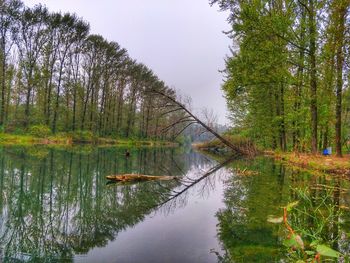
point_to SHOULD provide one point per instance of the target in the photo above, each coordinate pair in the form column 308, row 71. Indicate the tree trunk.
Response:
column 340, row 30
column 313, row 76
column 283, row 124
column 131, row 113
column 27, row 103
column 3, row 82
column 298, row 91
column 120, row 102
column 233, row 147
column 54, row 121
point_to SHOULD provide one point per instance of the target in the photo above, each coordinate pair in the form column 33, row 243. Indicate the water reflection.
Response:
column 55, row 206
column 55, row 203
column 243, row 228
column 246, row 235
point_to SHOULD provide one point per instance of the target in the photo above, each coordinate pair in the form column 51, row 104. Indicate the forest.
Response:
column 84, row 127
column 287, row 78
column 56, row 77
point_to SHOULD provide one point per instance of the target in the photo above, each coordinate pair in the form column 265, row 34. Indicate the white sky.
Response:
column 180, row 40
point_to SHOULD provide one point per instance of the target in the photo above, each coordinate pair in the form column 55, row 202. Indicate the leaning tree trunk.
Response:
column 235, row 148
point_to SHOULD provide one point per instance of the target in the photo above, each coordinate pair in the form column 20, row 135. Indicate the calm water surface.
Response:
column 56, row 206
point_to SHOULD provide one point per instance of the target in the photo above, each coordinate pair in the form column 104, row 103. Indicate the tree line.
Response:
column 287, row 80
column 54, row 73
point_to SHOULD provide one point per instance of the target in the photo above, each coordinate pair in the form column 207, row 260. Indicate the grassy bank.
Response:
column 312, row 163
column 315, row 163
column 66, row 139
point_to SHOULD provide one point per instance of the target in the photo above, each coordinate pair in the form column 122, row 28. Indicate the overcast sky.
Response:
column 180, row 40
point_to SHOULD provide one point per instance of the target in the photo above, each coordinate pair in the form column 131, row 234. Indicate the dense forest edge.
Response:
column 287, row 78
column 287, row 81
column 59, row 84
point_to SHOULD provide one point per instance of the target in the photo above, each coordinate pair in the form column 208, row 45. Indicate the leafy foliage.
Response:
column 286, row 76
column 53, row 73
column 40, row 131
column 307, row 223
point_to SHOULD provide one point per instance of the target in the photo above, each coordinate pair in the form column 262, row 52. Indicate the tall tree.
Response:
column 313, row 72
column 340, row 9
column 287, row 59
column 30, row 37
column 8, row 10
column 57, row 76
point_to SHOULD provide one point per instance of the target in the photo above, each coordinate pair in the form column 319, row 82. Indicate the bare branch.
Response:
column 222, row 139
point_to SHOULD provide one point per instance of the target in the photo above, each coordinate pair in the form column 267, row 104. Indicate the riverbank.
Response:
column 315, row 163
column 67, row 140
column 304, row 161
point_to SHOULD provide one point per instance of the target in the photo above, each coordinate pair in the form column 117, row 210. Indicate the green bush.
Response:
column 14, row 128
column 82, row 136
column 41, row 131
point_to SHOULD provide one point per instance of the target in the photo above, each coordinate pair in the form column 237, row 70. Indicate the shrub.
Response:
column 14, row 127
column 82, row 136
column 41, row 131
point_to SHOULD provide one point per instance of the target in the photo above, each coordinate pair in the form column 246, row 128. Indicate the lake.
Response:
column 56, row 206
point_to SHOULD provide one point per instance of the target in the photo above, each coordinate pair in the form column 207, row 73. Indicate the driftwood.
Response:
column 137, row 177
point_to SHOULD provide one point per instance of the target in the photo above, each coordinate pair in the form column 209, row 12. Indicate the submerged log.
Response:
column 137, row 177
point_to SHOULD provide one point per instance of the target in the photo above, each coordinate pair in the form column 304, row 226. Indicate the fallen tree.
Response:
column 137, row 177
column 190, row 119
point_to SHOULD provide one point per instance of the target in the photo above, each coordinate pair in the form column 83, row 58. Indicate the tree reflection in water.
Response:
column 246, row 235
column 55, row 203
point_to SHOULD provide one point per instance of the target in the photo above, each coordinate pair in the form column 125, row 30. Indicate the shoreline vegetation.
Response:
column 63, row 139
column 314, row 163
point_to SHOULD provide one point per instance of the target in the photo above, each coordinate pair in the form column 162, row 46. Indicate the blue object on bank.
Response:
column 327, row 151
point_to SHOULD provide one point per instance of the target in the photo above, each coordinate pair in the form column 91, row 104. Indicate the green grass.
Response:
column 64, row 139
column 316, row 163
